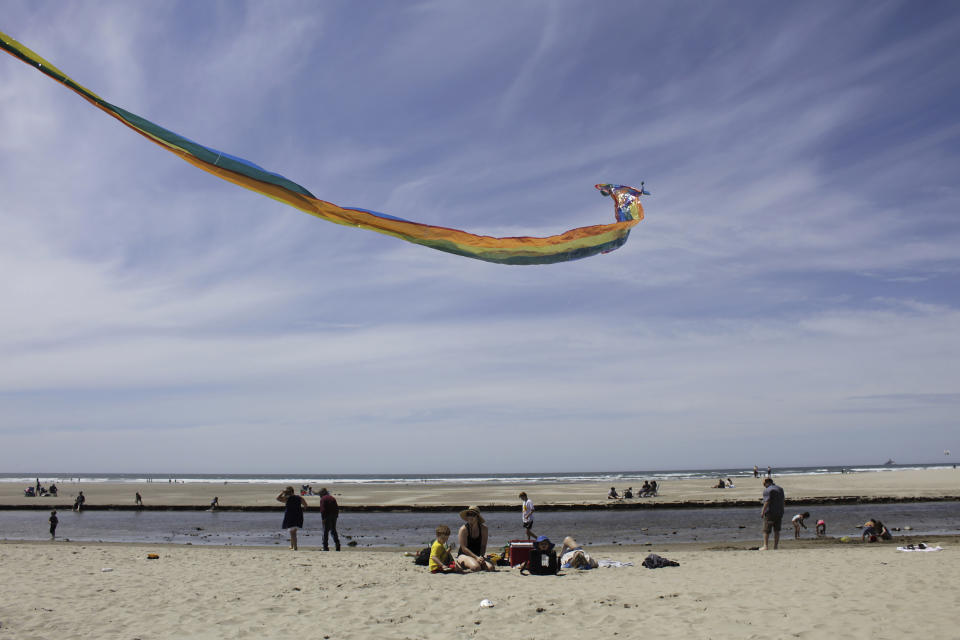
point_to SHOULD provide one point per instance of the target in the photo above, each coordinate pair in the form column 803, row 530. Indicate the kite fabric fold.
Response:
column 570, row 245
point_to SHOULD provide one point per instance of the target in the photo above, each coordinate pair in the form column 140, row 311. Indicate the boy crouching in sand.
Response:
column 441, row 560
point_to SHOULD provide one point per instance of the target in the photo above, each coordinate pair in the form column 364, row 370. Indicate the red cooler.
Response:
column 520, row 551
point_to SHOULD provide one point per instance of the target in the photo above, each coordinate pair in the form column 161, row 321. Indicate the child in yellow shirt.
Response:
column 441, row 560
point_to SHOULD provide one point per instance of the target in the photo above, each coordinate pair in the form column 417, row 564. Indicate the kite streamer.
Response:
column 570, row 245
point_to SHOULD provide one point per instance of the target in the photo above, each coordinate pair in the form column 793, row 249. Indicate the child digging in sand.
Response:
column 797, row 521
column 441, row 560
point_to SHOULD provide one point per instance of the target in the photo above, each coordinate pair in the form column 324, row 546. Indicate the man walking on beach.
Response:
column 329, row 512
column 772, row 512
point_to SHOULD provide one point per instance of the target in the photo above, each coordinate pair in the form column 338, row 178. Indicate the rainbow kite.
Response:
column 571, row 245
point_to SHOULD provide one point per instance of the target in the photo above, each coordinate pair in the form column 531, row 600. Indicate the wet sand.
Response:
column 928, row 484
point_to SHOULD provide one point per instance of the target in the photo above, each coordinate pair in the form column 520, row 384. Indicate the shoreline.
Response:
column 444, row 508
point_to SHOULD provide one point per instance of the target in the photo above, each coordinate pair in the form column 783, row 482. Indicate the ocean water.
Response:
column 613, row 477
column 415, row 530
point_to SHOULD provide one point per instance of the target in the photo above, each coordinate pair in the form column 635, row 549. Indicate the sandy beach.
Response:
column 899, row 485
column 829, row 590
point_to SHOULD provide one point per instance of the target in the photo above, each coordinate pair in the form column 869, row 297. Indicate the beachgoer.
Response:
column 644, row 490
column 821, row 528
column 720, row 484
column 292, row 513
column 797, row 521
column 729, row 483
column 628, row 493
column 876, row 530
column 79, row 502
column 472, row 538
column 756, row 471
column 653, row 488
column 441, row 560
column 542, row 561
column 769, row 471
column 139, row 499
column 772, row 512
column 54, row 521
column 572, row 556
column 527, row 515
column 329, row 512
column 613, row 494
column 53, row 490
column 215, row 502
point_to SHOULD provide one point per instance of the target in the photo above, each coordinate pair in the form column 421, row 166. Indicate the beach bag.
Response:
column 542, row 563
column 653, row 561
column 423, row 557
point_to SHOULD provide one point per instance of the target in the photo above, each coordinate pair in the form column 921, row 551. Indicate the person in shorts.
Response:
column 527, row 515
column 772, row 512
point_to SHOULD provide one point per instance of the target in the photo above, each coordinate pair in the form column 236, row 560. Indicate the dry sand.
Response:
column 812, row 589
column 60, row 591
column 930, row 483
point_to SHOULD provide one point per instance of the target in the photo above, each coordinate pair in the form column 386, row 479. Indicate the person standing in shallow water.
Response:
column 329, row 512
column 772, row 512
column 54, row 521
column 292, row 513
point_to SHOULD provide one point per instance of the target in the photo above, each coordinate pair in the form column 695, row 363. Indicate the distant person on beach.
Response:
column 729, row 483
column 653, row 488
column 797, row 521
column 329, row 512
column 472, row 538
column 53, row 490
column 720, row 484
column 54, row 521
column 628, row 493
column 292, row 513
column 613, row 494
column 644, row 489
column 573, row 556
column 772, row 513
column 79, row 502
column 769, row 472
column 214, row 503
column 756, row 471
column 874, row 530
column 527, row 515
column 139, row 499
column 441, row 560
column 821, row 528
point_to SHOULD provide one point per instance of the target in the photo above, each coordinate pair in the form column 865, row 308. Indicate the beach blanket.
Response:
column 613, row 563
column 919, row 547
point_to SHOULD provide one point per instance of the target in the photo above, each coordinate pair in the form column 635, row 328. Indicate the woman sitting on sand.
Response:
column 473, row 542
column 292, row 514
column 572, row 556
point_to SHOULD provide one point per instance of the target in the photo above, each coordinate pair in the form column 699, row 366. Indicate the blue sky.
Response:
column 791, row 297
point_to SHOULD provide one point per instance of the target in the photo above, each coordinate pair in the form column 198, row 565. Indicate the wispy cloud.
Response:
column 791, row 286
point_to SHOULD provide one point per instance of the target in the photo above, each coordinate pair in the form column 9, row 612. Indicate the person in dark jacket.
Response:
column 329, row 512
column 292, row 513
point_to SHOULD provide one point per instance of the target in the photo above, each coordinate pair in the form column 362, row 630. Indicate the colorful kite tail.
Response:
column 570, row 245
